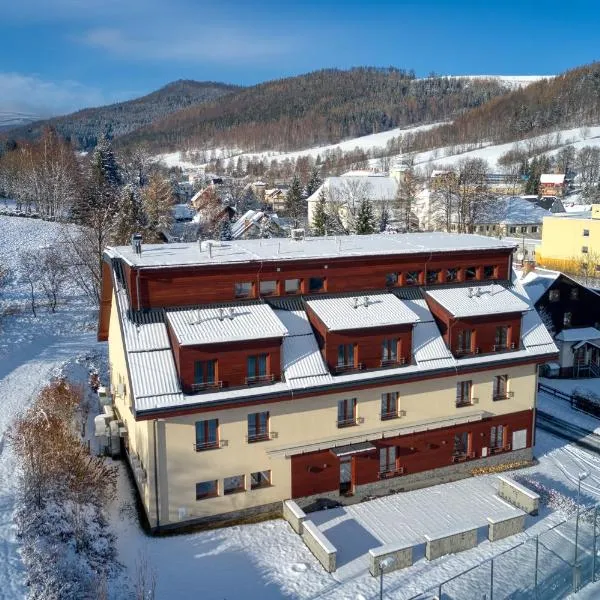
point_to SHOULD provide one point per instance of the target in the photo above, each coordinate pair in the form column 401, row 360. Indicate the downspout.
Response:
column 137, row 286
column 156, row 478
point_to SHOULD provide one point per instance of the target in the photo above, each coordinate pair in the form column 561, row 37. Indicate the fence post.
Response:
column 492, row 580
column 535, row 579
column 595, row 536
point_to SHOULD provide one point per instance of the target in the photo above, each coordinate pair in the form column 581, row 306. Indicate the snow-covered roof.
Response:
column 556, row 178
column 303, row 364
column 380, row 310
column 578, row 334
column 284, row 249
column 376, row 187
column 246, row 220
column 217, row 325
column 480, row 300
column 513, row 210
column 537, row 282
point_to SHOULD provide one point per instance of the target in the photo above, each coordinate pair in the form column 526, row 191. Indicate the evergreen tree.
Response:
column 365, row 220
column 225, row 233
column 384, row 218
column 130, row 216
column 105, row 163
column 314, row 182
column 295, row 206
column 320, row 217
column 157, row 204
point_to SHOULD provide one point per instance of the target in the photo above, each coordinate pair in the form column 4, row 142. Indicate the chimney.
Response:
column 355, row 305
column 470, row 292
column 136, row 243
column 366, row 301
column 477, row 292
column 221, row 314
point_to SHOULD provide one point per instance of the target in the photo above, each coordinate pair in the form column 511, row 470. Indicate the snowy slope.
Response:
column 511, row 81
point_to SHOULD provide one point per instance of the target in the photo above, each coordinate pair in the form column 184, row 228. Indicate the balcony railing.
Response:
column 460, row 402
column 261, row 436
column 391, row 414
column 348, row 367
column 503, row 347
column 393, row 362
column 466, row 351
column 207, row 385
column 260, row 379
column 503, row 396
column 350, row 422
column 463, row 456
column 390, row 471
column 212, row 445
column 499, row 449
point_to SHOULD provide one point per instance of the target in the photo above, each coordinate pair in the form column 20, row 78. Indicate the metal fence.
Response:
column 550, row 566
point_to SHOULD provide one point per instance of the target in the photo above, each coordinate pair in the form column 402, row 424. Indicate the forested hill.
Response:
column 84, row 126
column 320, row 107
column 569, row 100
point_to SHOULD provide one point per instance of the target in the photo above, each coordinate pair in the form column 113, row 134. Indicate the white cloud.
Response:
column 213, row 43
column 33, row 96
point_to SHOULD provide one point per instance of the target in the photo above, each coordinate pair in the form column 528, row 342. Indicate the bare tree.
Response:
column 52, row 274
column 346, row 197
column 30, row 268
column 408, row 187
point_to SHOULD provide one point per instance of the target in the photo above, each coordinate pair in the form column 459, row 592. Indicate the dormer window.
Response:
column 433, row 276
column 316, row 285
column 452, row 274
column 268, row 288
column 412, row 278
column 489, row 272
column 292, row 286
column 391, row 279
column 256, row 368
column 244, row 289
column 389, row 351
column 470, row 273
column 345, row 358
column 501, row 339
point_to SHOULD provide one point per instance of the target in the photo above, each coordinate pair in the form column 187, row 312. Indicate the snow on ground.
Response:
column 512, row 81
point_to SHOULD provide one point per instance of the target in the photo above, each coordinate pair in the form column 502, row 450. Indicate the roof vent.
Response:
column 355, row 305
column 298, row 234
column 136, row 243
column 366, row 301
column 221, row 314
column 470, row 292
column 231, row 313
column 477, row 293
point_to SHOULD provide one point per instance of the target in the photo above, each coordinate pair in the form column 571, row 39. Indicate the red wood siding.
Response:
column 105, row 303
column 318, row 472
column 185, row 286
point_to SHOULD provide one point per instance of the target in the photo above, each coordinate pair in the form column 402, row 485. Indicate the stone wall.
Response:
column 402, row 555
column 324, row 551
column 500, row 528
column 518, row 495
column 449, row 543
column 294, row 515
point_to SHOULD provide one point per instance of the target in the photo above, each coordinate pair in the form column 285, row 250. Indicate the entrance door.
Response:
column 345, row 475
column 519, row 439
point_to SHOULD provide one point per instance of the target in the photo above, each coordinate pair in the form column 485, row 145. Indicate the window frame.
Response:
column 213, row 494
column 413, row 277
column 392, row 279
column 203, row 442
column 296, row 290
column 236, row 287
column 258, row 374
column 388, row 459
column 466, row 273
column 272, row 282
column 258, row 426
column 236, row 490
column 554, row 296
column 391, row 349
column 464, row 341
column 464, row 393
column 455, row 272
column 501, row 338
column 263, row 482
column 208, row 371
column 346, row 351
column 390, row 406
column 346, row 413
column 322, row 288
column 500, row 387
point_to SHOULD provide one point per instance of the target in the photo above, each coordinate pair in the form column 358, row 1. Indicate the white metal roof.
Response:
column 537, row 282
column 513, row 211
column 480, row 300
column 339, row 314
column 429, row 346
column 153, row 373
column 302, row 358
column 295, row 321
column 285, row 249
column 556, row 178
column 533, row 331
column 578, row 334
column 214, row 325
column 146, row 333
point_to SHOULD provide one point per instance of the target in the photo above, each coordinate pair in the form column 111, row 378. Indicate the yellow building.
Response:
column 571, row 242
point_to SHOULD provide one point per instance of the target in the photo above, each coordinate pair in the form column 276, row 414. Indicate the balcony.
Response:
column 393, row 362
column 351, row 422
column 207, row 385
column 503, row 347
column 258, row 379
column 212, row 445
column 348, row 367
column 463, row 457
column 390, row 471
column 261, row 436
column 503, row 396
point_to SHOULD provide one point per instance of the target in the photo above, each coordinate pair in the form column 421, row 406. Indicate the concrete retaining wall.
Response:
column 294, row 515
column 319, row 545
column 518, row 495
column 500, row 528
column 449, row 543
column 402, row 555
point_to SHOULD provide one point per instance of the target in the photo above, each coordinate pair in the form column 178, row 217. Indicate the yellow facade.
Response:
column 571, row 243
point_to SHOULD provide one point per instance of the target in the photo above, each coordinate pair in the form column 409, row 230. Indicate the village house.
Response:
column 245, row 373
column 275, row 198
column 552, row 184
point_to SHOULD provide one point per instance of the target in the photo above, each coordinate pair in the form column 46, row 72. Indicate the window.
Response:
column 389, row 406
column 470, row 273
column 554, row 295
column 501, row 339
column 292, row 286
column 489, row 272
column 463, row 393
column 260, row 479
column 523, row 229
column 256, row 368
column 584, row 249
column 204, row 374
column 268, row 288
column 452, row 274
column 512, row 230
column 207, row 434
column 534, row 229
column 258, row 427
column 461, row 444
column 433, row 276
column 464, row 341
column 497, row 434
column 387, row 459
column 234, row 484
column 389, row 351
column 574, row 293
column 346, row 415
column 345, row 356
column 567, row 319
column 244, row 290
column 316, row 284
column 586, row 233
column 412, row 278
column 391, row 279
column 500, row 387
column 207, row 489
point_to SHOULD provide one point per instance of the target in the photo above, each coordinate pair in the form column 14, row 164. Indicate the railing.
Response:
column 200, row 446
column 499, row 449
column 462, row 457
column 503, row 396
column 386, row 416
column 260, row 379
column 460, row 402
column 501, row 347
column 393, row 362
column 390, row 471
column 350, row 422
column 261, row 436
column 207, row 385
column 466, row 351
column 349, row 367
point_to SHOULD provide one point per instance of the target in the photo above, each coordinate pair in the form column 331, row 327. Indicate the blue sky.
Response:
column 60, row 55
